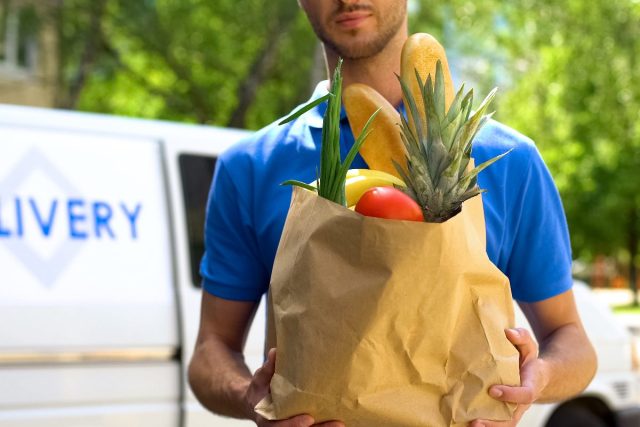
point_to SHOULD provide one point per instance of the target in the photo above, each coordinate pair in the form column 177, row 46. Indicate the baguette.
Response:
column 421, row 52
column 384, row 144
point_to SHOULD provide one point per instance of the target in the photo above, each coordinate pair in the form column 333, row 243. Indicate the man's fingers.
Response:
column 301, row 421
column 485, row 423
column 297, row 421
column 522, row 340
column 520, row 395
column 264, row 374
column 517, row 415
column 261, row 381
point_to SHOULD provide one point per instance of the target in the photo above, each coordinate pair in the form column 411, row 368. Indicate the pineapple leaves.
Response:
column 439, row 96
column 439, row 144
column 454, row 112
column 412, row 108
column 464, row 182
column 438, row 152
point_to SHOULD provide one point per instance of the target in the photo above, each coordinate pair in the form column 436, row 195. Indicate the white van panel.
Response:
column 88, row 313
column 210, row 146
column 68, row 202
column 40, row 386
column 68, row 326
column 125, row 415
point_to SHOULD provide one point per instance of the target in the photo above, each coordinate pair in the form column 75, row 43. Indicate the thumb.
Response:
column 522, row 340
column 265, row 373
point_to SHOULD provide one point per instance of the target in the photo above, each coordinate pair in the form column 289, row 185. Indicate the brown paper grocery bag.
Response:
column 384, row 323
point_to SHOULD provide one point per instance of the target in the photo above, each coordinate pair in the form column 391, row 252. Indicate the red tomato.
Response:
column 390, row 203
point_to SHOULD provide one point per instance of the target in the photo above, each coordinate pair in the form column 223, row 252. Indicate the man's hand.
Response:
column 259, row 388
column 532, row 380
column 567, row 360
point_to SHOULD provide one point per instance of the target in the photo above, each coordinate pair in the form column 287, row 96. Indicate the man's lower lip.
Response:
column 352, row 23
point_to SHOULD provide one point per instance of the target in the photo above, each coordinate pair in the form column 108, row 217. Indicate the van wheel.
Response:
column 569, row 415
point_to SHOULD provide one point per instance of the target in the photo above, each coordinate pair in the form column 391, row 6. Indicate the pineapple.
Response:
column 438, row 144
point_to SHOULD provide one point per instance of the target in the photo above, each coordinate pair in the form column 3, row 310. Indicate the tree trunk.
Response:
column 633, row 252
column 258, row 72
column 58, row 23
column 247, row 91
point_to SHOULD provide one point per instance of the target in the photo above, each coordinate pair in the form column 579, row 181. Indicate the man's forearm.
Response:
column 569, row 363
column 219, row 378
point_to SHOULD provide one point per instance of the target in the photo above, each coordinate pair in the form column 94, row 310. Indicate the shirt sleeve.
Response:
column 539, row 265
column 231, row 267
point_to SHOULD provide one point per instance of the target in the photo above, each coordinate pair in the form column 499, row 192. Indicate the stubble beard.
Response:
column 387, row 28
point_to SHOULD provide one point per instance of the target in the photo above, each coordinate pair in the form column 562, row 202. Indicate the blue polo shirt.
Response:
column 527, row 237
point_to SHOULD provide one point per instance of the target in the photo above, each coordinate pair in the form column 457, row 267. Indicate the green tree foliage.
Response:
column 568, row 76
column 229, row 63
column 577, row 95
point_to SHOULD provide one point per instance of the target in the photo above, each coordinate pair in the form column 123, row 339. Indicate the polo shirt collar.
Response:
column 315, row 116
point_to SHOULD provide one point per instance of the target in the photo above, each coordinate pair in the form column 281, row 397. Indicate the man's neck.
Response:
column 378, row 72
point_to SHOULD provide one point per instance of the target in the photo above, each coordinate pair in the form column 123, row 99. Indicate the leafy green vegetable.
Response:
column 333, row 171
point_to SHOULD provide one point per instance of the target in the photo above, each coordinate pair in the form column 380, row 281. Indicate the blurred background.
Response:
column 567, row 73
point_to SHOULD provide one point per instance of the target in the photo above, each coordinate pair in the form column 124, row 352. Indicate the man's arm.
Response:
column 567, row 358
column 563, row 366
column 218, row 374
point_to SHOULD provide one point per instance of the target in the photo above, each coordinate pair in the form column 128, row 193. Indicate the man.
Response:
column 526, row 230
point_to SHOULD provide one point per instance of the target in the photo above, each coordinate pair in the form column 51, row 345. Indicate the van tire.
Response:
column 575, row 415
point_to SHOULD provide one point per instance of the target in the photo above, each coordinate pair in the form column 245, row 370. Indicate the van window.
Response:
column 196, row 173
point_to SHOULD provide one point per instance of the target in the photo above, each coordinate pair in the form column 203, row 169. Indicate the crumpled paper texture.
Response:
column 387, row 323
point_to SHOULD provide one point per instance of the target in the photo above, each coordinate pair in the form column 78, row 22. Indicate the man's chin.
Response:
column 357, row 50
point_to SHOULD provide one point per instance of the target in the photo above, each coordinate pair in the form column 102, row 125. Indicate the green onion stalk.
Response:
column 332, row 172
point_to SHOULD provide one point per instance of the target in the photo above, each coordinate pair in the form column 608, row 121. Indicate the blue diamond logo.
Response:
column 47, row 269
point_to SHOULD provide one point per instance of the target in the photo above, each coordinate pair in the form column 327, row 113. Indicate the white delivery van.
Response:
column 101, row 224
